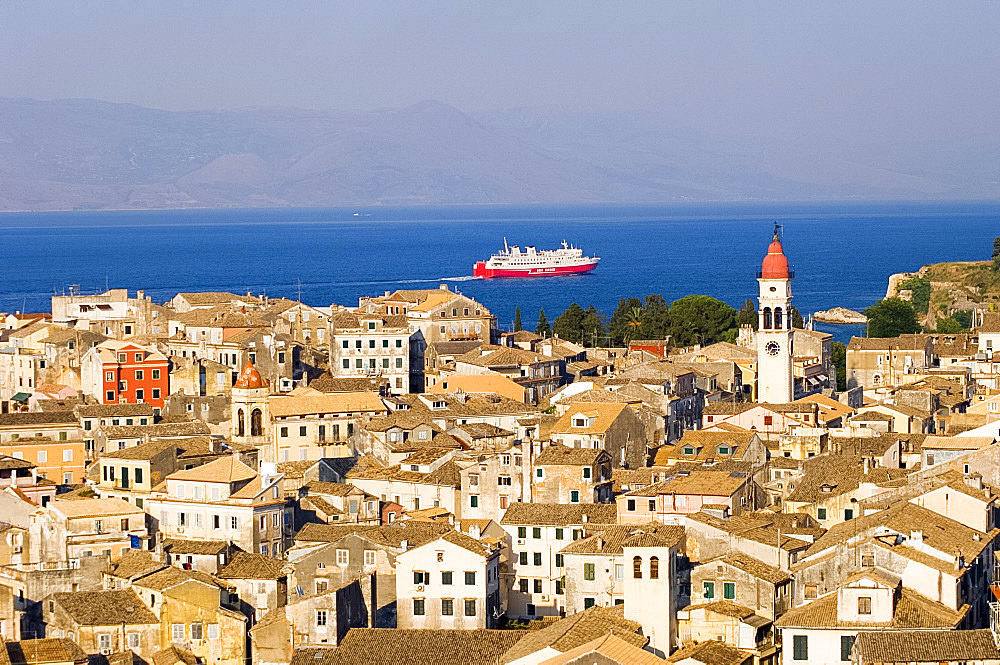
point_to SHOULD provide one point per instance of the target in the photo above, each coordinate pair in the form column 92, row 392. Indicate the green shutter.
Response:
column 846, row 646
column 800, row 647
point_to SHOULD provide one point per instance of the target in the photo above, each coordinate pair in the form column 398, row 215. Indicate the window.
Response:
column 800, row 647
column 588, row 571
column 619, row 571
column 213, row 631
column 574, row 496
column 177, row 632
column 522, row 586
column 43, row 456
column 709, row 590
column 133, row 640
column 121, row 357
column 343, row 557
column 846, row 646
column 197, row 632
column 104, row 639
column 559, row 534
column 283, row 431
column 538, row 586
column 418, row 607
column 470, row 607
column 586, row 472
column 868, row 560
column 421, row 577
column 234, row 523
column 522, row 558
column 320, row 617
column 110, row 396
column 156, row 374
column 536, row 532
column 768, row 420
column 138, row 375
column 654, row 568
column 539, row 473
column 559, row 561
column 631, row 505
column 522, row 532
column 470, row 578
column 473, row 501
column 446, row 577
column 369, row 557
column 588, row 603
column 302, row 430
column 729, row 590
column 811, row 592
column 865, row 605
column 447, row 607
column 637, row 568
column 821, row 513
column 848, row 513
column 537, row 558
column 321, row 585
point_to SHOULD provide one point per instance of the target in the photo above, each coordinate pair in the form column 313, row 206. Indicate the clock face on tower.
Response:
column 772, row 348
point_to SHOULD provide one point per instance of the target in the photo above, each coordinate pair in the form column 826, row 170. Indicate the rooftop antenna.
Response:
column 777, row 231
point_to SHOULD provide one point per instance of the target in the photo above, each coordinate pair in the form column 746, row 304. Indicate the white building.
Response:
column 223, row 500
column 774, row 334
column 452, row 582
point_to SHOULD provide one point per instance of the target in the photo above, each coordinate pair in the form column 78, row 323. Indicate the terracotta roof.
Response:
column 249, row 378
column 612, row 647
column 105, row 608
column 186, row 428
column 327, row 383
column 171, row 576
column 912, row 611
column 564, row 455
column 37, row 418
column 194, row 547
column 576, row 630
column 560, row 515
column 45, row 650
column 393, row 535
column 174, row 656
column 136, row 563
column 604, row 415
column 252, row 566
column 326, row 403
column 612, row 539
column 957, row 442
column 926, row 646
column 775, row 263
column 712, row 653
column 706, row 483
column 111, row 410
column 751, row 566
column 226, row 469
column 7, row 463
column 93, row 507
column 396, row 646
column 827, row 476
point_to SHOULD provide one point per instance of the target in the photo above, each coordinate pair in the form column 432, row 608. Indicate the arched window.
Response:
column 777, row 318
column 240, row 425
column 767, row 318
column 637, row 568
column 256, row 423
column 654, row 568
column 877, row 379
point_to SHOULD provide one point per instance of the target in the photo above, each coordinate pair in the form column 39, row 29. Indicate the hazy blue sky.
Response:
column 908, row 69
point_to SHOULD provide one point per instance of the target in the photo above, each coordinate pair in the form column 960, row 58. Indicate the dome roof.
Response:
column 250, row 378
column 775, row 264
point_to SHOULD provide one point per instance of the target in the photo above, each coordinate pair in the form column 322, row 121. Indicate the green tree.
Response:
column 619, row 327
column 891, row 317
column 517, row 319
column 699, row 320
column 964, row 318
column 949, row 326
column 838, row 356
column 655, row 317
column 569, row 324
column 797, row 321
column 747, row 315
column 591, row 327
column 996, row 253
column 542, row 328
column 920, row 287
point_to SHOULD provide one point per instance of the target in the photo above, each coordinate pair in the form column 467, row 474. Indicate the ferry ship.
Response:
column 513, row 261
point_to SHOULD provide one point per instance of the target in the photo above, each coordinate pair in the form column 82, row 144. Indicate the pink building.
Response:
column 686, row 493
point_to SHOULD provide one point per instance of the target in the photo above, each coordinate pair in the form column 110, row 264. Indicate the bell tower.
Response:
column 251, row 415
column 774, row 330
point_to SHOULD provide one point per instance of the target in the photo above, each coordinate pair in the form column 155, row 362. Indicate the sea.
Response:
column 842, row 253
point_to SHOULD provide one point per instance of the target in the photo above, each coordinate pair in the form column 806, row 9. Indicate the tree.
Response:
column 591, row 328
column 517, row 319
column 920, row 288
column 949, row 326
column 964, row 318
column 619, row 327
column 996, row 253
column 838, row 356
column 655, row 317
column 699, row 320
column 797, row 321
column 542, row 328
column 747, row 315
column 891, row 317
column 569, row 324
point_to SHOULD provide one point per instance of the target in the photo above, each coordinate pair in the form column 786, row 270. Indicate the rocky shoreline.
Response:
column 840, row 315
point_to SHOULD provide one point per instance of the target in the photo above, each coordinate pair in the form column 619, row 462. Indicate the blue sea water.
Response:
column 842, row 253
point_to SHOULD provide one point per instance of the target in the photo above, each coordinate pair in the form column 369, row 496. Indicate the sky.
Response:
column 907, row 70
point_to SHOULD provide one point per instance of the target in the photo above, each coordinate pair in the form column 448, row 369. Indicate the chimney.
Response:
column 867, row 466
column 917, row 536
column 404, row 544
column 584, row 518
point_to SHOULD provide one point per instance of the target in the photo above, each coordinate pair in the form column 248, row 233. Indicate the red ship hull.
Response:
column 480, row 270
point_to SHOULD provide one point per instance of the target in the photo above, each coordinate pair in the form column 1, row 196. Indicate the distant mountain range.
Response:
column 84, row 154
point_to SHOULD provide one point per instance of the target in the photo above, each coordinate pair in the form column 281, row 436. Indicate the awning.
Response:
column 20, row 397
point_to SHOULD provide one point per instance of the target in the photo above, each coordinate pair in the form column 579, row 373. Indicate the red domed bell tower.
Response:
column 774, row 331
